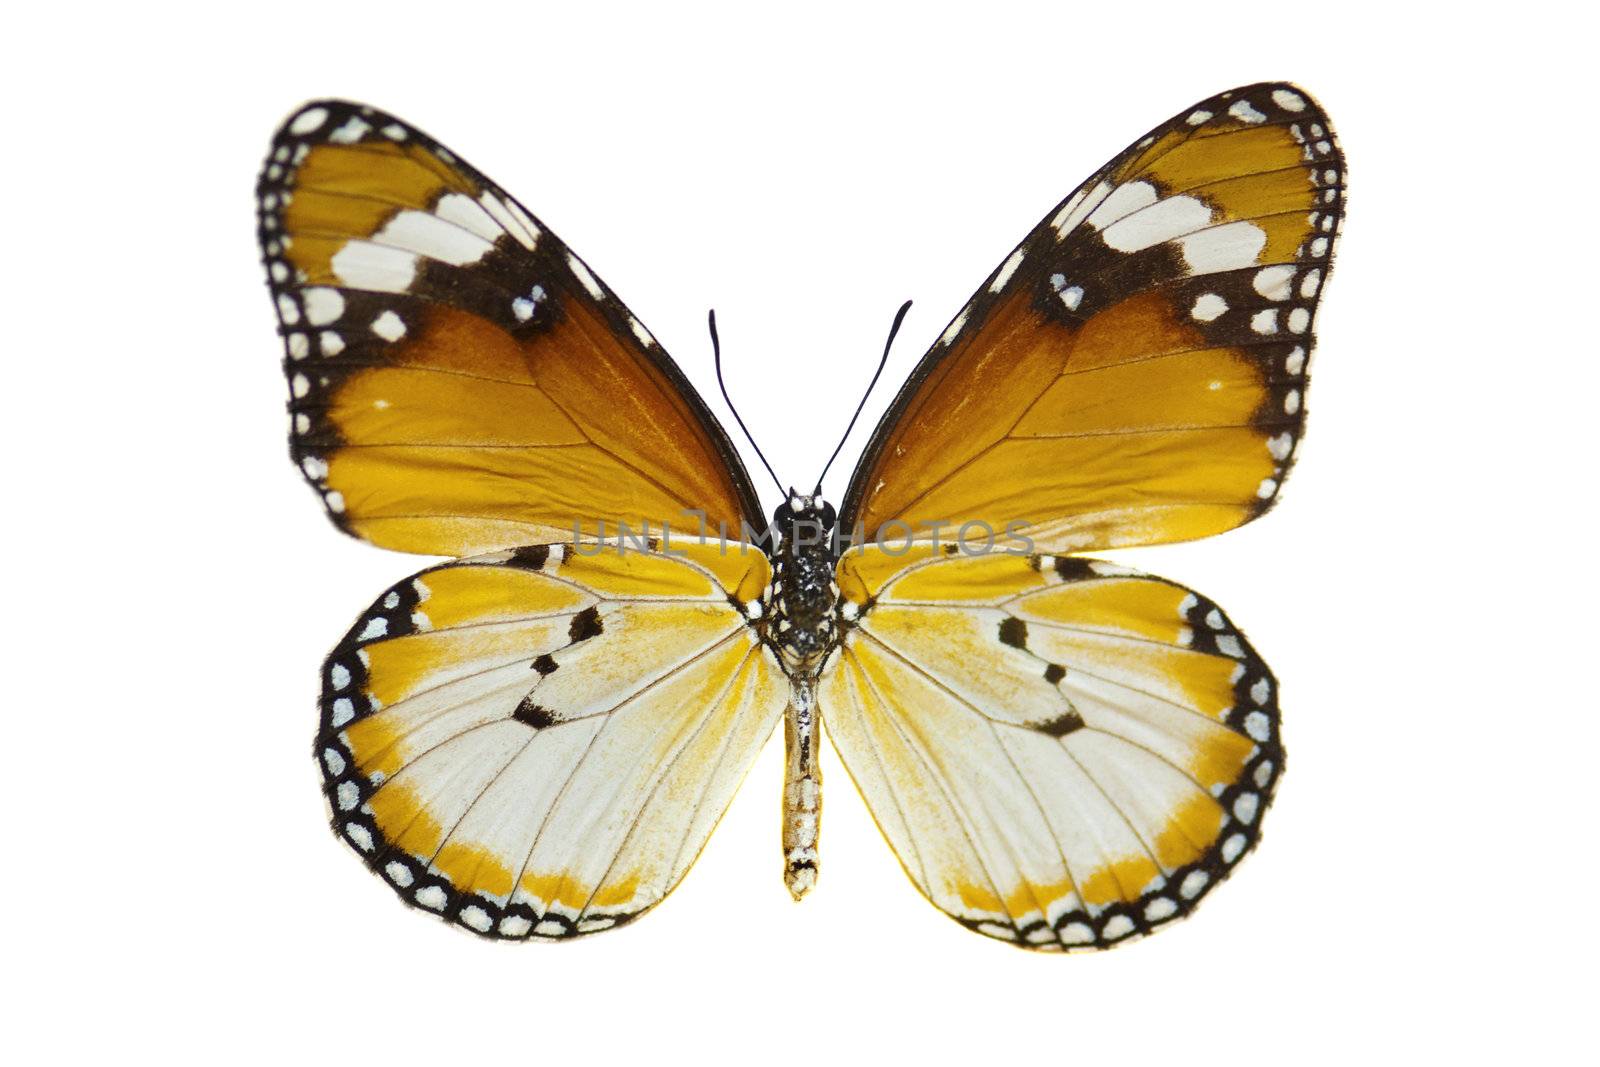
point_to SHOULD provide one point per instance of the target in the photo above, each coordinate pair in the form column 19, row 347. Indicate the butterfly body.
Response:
column 535, row 739
column 804, row 630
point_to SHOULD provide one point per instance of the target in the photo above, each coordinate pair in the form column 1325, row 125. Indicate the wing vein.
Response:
column 662, row 773
column 938, row 777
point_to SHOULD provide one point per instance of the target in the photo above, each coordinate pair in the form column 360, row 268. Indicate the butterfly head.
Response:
column 810, row 517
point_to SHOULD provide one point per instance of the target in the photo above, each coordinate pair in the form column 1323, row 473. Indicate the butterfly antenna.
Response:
column 899, row 317
column 716, row 353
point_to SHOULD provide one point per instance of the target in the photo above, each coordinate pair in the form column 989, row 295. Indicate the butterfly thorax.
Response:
column 804, row 594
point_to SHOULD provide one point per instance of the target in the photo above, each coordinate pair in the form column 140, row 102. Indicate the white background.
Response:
column 1425, row 590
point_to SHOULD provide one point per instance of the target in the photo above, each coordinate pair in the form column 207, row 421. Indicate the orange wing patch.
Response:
column 460, row 381
column 1135, row 373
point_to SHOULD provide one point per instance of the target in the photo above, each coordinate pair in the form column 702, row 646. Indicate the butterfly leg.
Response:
column 802, row 791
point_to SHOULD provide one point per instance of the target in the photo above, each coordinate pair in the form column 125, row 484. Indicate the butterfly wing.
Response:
column 537, row 742
column 459, row 380
column 1135, row 371
column 1063, row 753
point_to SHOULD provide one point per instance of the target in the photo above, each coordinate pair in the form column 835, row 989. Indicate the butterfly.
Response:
column 535, row 739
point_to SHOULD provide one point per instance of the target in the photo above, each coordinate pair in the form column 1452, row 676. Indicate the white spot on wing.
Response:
column 1273, row 282
column 310, row 119
column 463, row 211
column 352, row 131
column 1209, row 307
column 1078, row 206
column 524, row 221
column 1122, row 201
column 1117, row 926
column 526, row 236
column 1231, row 246
column 1160, row 908
column 954, row 328
column 1007, row 269
column 1076, row 934
column 323, row 305
column 1158, row 222
column 365, row 265
column 389, row 326
column 588, row 281
column 435, row 237
column 1244, row 112
column 1288, row 101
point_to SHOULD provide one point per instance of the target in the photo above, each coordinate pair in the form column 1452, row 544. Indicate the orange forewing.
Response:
column 1135, row 372
column 460, row 382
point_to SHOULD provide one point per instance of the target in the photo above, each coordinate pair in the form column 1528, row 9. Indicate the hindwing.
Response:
column 538, row 742
column 1063, row 753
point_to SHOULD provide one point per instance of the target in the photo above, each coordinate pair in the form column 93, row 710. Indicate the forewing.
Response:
column 1063, row 753
column 537, row 743
column 459, row 380
column 1135, row 371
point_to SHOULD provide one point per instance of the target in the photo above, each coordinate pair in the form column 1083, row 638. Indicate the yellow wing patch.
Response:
column 1063, row 753
column 537, row 743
